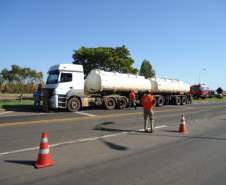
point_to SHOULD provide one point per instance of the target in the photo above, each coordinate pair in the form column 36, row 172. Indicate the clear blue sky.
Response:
column 179, row 37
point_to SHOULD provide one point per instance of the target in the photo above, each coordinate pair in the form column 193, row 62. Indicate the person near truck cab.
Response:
column 148, row 102
column 37, row 98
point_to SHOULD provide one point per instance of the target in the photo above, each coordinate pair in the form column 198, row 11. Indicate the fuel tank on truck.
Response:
column 99, row 80
column 163, row 85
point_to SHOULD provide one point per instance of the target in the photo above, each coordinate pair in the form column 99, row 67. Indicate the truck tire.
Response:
column 183, row 100
column 109, row 103
column 122, row 103
column 74, row 104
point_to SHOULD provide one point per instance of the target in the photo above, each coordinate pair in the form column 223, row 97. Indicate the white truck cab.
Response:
column 64, row 80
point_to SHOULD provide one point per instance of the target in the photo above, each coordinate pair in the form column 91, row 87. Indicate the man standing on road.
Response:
column 46, row 103
column 132, row 99
column 148, row 103
column 37, row 98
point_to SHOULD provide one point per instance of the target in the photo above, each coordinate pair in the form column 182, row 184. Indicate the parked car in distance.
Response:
column 215, row 94
column 212, row 93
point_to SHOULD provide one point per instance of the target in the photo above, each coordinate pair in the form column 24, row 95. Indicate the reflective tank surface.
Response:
column 98, row 80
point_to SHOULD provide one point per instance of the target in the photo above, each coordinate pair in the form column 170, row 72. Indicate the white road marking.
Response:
column 160, row 126
column 63, row 143
column 85, row 114
column 74, row 141
column 19, row 151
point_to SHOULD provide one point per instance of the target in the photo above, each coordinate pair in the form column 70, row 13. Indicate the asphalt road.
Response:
column 100, row 147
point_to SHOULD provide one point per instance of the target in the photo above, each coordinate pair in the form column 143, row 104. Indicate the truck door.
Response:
column 65, row 83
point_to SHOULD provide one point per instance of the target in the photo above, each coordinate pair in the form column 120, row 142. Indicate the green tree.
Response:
column 36, row 77
column 146, row 69
column 6, row 75
column 105, row 58
column 219, row 90
column 18, row 79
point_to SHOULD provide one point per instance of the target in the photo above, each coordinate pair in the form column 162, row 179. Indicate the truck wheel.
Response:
column 122, row 103
column 110, row 103
column 74, row 105
column 183, row 100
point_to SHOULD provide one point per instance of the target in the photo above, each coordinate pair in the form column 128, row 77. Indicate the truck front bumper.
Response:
column 54, row 101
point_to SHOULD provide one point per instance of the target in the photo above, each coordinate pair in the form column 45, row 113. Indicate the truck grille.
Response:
column 61, row 101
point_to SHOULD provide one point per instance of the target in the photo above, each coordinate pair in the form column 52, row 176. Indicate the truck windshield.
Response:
column 52, row 77
column 199, row 88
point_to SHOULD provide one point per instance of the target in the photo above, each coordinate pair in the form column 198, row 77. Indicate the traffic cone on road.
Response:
column 183, row 128
column 44, row 157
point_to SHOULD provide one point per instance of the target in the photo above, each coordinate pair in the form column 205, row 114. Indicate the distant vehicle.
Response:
column 199, row 91
column 66, row 88
column 212, row 94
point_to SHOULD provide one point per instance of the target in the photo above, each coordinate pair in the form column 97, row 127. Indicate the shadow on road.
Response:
column 102, row 128
column 107, row 123
column 23, row 162
column 19, row 108
column 114, row 146
column 172, row 131
column 189, row 137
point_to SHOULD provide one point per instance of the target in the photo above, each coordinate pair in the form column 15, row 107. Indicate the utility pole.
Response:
column 203, row 69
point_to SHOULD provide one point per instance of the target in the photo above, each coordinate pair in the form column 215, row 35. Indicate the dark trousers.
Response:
column 132, row 104
column 37, row 105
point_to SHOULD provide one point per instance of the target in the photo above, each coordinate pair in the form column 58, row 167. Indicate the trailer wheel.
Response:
column 183, row 100
column 74, row 104
column 109, row 103
column 177, row 100
column 122, row 103
column 189, row 100
column 167, row 100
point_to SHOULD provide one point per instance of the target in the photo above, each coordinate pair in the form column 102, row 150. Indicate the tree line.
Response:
column 19, row 80
column 111, row 59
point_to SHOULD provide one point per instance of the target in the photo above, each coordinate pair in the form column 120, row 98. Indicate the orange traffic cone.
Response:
column 44, row 157
column 183, row 128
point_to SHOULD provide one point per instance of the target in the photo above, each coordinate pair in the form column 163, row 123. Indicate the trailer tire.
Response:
column 74, row 104
column 177, row 100
column 166, row 100
column 183, row 100
column 122, row 103
column 189, row 100
column 109, row 103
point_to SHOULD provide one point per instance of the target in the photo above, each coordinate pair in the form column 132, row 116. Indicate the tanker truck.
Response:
column 66, row 88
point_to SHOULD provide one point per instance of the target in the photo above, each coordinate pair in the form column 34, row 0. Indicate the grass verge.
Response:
column 210, row 100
